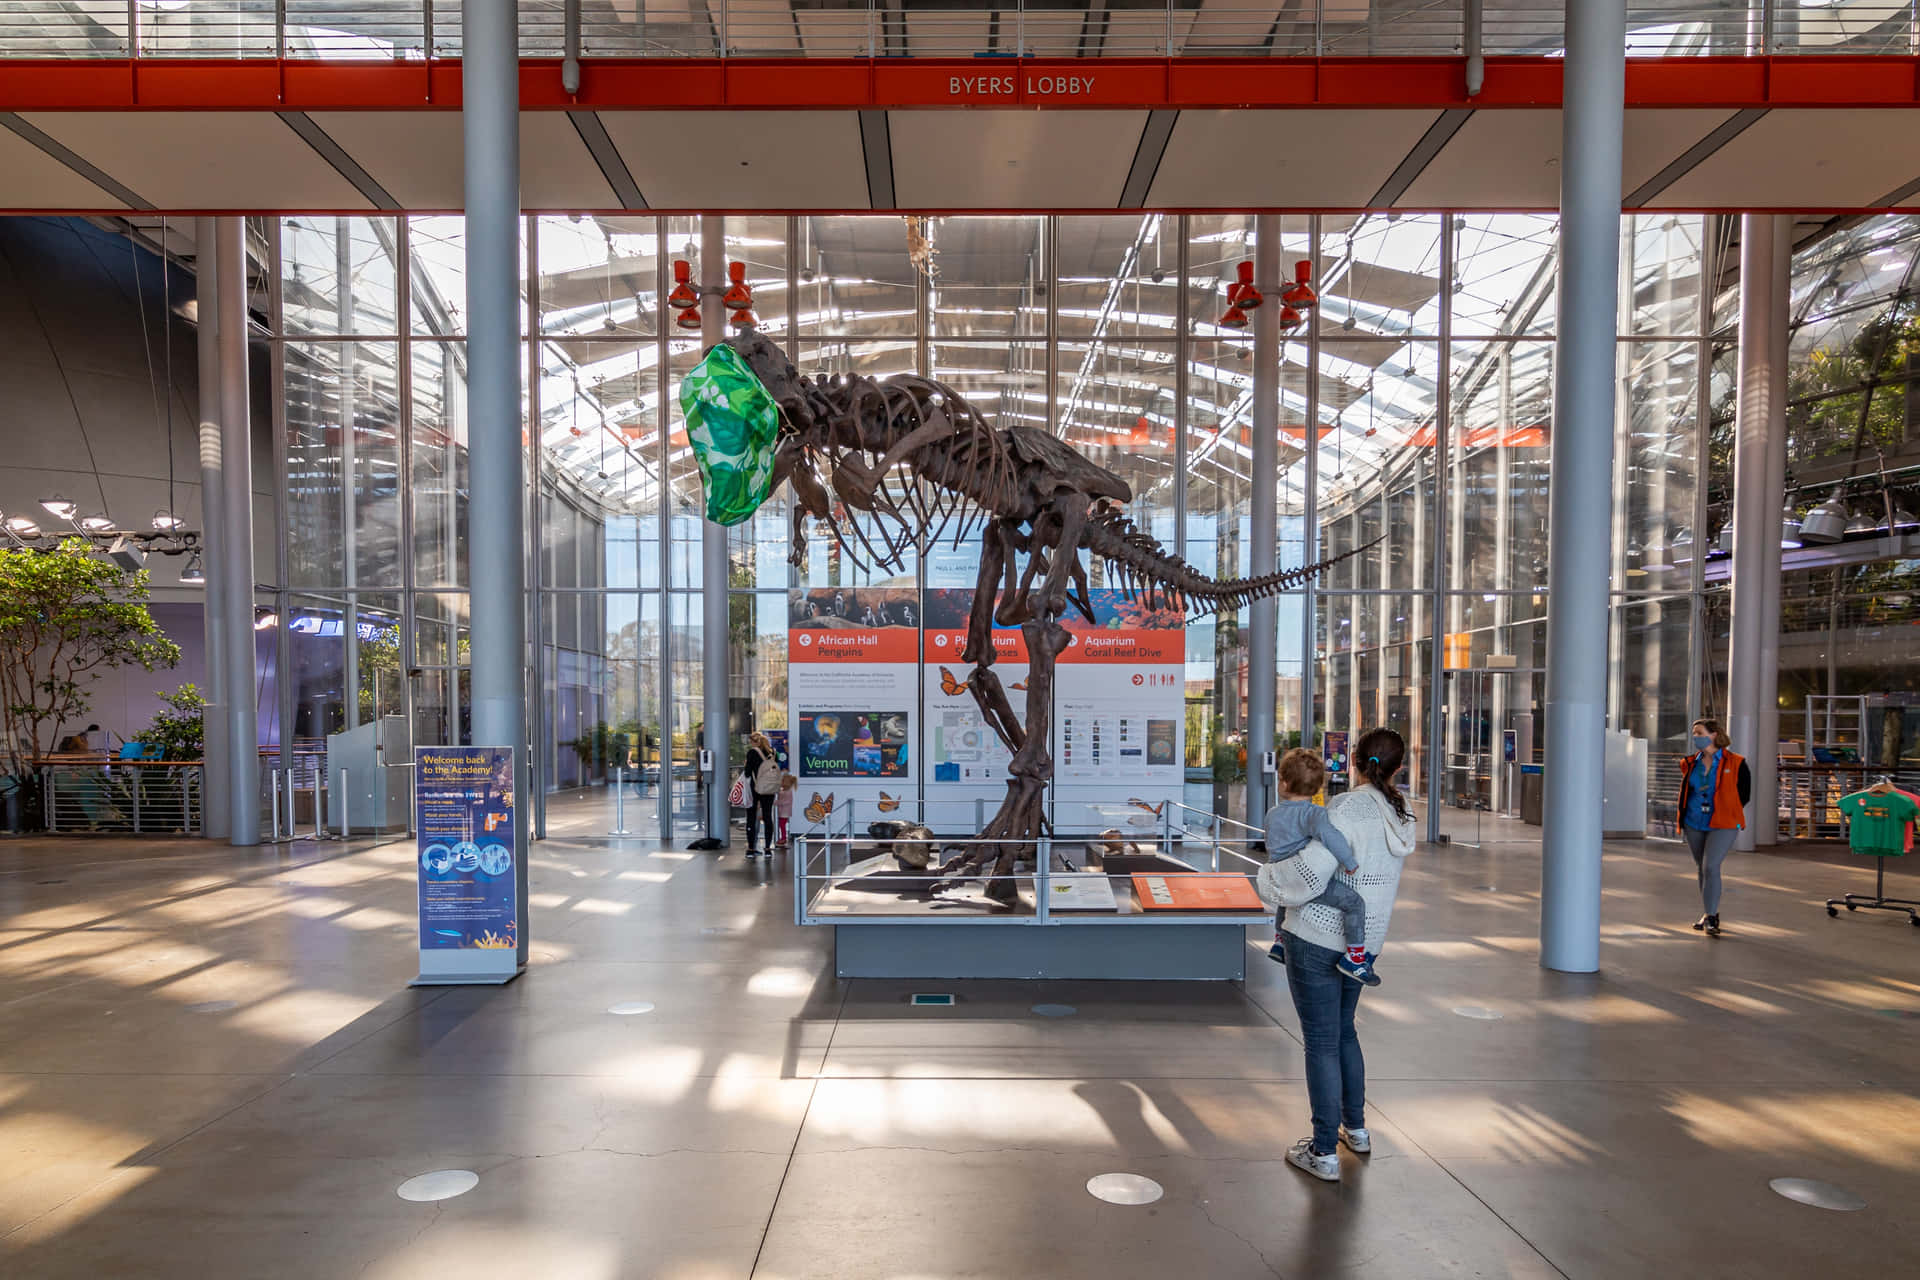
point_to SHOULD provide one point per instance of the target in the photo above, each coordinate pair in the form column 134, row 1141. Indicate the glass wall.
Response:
column 1850, row 593
column 1413, row 409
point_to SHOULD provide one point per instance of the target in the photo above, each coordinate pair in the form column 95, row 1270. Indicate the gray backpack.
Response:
column 766, row 779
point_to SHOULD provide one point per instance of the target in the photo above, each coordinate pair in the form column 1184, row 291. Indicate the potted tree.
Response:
column 66, row 616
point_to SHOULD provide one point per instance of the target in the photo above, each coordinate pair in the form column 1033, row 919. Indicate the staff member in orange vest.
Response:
column 1714, row 789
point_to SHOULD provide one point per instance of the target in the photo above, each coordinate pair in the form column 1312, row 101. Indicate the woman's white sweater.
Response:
column 1381, row 842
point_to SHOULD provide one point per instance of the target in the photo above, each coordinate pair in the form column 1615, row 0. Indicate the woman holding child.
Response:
column 1323, row 974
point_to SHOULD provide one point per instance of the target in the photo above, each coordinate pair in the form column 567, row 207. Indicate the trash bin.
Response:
column 1532, row 794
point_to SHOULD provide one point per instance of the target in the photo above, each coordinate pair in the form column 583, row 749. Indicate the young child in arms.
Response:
column 1293, row 824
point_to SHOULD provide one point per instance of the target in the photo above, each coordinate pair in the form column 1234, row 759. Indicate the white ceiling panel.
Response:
column 35, row 180
column 1012, row 159
column 744, row 159
column 1511, row 159
column 204, row 160
column 1283, row 159
column 416, row 157
column 1828, row 159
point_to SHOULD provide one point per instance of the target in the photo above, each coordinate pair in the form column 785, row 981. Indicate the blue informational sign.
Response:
column 1509, row 745
column 468, row 866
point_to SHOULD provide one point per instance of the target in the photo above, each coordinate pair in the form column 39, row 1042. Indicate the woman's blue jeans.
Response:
column 1336, row 1073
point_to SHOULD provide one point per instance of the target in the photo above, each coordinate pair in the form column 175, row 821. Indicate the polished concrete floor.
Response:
column 211, row 1066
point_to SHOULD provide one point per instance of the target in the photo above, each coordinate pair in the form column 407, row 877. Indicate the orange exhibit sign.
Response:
column 1195, row 891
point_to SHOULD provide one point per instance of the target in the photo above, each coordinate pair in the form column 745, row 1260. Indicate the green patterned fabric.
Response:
column 732, row 423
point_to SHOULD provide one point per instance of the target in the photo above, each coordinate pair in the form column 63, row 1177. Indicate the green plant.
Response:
column 66, row 616
column 180, row 730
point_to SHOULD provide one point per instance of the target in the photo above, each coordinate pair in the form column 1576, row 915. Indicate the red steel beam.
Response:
column 822, row 83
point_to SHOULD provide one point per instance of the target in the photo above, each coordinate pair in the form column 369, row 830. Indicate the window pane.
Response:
column 599, row 276
column 337, row 276
column 989, row 278
column 856, row 278
column 1118, row 276
column 438, row 486
column 343, row 477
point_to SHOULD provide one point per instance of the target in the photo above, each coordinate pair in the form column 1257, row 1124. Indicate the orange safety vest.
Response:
column 1728, row 813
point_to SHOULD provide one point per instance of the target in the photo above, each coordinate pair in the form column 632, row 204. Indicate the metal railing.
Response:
column 821, row 864
column 407, row 30
column 122, row 797
column 1810, row 794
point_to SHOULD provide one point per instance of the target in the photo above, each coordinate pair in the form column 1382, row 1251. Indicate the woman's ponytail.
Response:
column 1377, row 757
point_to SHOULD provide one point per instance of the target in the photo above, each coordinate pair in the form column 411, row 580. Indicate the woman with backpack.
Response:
column 762, row 772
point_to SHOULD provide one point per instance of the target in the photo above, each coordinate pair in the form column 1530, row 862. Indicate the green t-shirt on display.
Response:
column 1878, row 823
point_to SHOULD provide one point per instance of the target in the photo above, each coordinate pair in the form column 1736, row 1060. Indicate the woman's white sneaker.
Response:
column 1358, row 1141
column 1303, row 1156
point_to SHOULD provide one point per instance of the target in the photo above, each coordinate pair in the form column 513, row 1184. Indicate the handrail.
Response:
column 419, row 30
column 813, row 866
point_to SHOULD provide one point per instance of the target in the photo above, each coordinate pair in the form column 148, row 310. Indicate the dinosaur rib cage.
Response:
column 920, row 454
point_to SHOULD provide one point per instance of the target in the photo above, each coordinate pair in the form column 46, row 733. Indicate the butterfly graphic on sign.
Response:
column 887, row 803
column 949, row 686
column 817, row 811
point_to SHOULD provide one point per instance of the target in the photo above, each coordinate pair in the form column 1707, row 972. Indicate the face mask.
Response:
column 1700, row 743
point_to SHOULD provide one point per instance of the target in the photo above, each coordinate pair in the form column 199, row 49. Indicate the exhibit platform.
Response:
column 1151, row 907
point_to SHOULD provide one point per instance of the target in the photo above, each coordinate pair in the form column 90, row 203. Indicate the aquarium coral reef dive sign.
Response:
column 468, row 864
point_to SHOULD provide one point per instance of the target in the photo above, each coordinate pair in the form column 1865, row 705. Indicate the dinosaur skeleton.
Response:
column 914, row 455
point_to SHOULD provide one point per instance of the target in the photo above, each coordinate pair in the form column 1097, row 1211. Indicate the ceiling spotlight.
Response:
column 194, row 572
column 23, row 526
column 265, row 622
column 166, row 522
column 96, row 524
column 1159, row 275
column 61, row 508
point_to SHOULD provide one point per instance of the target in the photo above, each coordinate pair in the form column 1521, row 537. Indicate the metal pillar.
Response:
column 236, row 561
column 713, row 552
column 1310, row 506
column 1263, row 523
column 1581, row 502
column 496, row 536
column 1759, row 483
column 1446, row 607
column 215, row 819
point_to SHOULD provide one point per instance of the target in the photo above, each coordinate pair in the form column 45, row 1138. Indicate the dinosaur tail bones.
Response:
column 1140, row 566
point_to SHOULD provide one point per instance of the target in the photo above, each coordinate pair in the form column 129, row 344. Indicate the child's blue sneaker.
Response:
column 1361, row 972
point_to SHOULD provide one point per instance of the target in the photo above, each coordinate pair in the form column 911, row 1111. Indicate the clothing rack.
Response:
column 1879, row 901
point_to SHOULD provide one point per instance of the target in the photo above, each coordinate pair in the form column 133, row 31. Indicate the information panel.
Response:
column 968, row 759
column 1119, row 707
column 467, row 864
column 852, row 699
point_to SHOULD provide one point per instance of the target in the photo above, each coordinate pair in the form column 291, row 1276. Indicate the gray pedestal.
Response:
column 1201, row 952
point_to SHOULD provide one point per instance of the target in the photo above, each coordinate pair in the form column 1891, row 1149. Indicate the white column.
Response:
column 496, row 491
column 1759, row 484
column 1581, row 482
column 1263, row 654
column 216, row 821
column 713, row 551
column 236, row 560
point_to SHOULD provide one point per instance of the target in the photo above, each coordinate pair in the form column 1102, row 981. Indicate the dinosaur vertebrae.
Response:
column 1140, row 566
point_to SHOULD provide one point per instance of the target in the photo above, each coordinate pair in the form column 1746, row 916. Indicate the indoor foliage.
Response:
column 66, row 616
